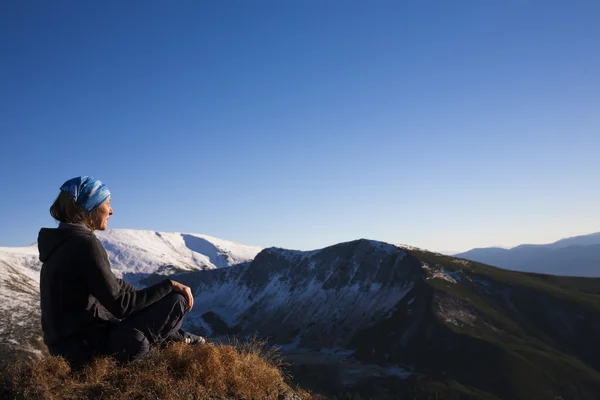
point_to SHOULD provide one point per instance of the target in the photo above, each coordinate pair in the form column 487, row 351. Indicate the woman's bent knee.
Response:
column 178, row 300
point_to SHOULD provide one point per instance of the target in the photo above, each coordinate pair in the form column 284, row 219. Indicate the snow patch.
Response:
column 407, row 247
column 439, row 272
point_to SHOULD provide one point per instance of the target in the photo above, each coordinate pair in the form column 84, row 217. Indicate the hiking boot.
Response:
column 186, row 337
column 194, row 339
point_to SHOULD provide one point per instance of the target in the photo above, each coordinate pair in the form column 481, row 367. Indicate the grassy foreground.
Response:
column 178, row 371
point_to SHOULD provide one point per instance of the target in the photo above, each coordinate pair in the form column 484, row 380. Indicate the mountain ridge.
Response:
column 415, row 310
column 575, row 256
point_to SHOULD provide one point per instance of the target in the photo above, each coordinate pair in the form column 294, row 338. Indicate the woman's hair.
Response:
column 66, row 210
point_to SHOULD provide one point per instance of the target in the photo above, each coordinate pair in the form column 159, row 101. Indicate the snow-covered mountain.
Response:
column 20, row 336
column 133, row 253
column 312, row 299
column 133, row 256
column 576, row 256
column 301, row 298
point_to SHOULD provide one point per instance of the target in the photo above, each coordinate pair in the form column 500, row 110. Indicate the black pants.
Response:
column 130, row 339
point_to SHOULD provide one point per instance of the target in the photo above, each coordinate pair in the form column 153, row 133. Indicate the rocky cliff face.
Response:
column 318, row 299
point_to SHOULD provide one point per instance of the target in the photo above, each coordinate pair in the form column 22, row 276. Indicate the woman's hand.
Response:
column 185, row 291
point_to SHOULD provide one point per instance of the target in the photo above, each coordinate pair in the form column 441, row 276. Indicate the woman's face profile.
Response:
column 101, row 217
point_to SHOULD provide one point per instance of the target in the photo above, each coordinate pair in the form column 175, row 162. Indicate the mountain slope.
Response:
column 20, row 336
column 578, row 256
column 281, row 289
column 510, row 335
column 133, row 255
column 139, row 252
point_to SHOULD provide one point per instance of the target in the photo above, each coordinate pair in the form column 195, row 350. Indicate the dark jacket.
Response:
column 79, row 293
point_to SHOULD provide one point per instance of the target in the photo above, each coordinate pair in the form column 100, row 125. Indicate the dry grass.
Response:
column 176, row 372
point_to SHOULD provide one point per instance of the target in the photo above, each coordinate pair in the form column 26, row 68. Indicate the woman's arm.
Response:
column 126, row 286
column 104, row 286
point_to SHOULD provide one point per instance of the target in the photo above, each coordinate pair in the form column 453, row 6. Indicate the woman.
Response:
column 86, row 310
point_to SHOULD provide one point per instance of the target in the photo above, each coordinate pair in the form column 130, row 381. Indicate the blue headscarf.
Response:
column 87, row 192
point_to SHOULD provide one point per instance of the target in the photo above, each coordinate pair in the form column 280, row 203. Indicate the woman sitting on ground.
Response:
column 86, row 310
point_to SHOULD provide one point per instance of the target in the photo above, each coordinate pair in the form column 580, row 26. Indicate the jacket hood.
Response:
column 50, row 239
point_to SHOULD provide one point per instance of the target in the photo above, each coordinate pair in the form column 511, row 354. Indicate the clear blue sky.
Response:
column 442, row 124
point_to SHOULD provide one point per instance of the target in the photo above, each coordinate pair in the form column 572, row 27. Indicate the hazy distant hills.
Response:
column 576, row 256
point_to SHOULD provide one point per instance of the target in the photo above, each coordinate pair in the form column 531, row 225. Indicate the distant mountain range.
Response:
column 576, row 256
column 388, row 321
